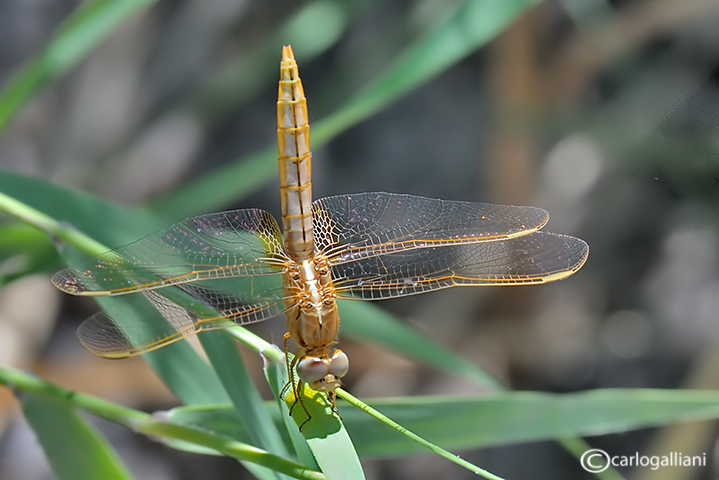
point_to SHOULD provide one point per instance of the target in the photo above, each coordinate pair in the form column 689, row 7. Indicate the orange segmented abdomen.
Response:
column 293, row 142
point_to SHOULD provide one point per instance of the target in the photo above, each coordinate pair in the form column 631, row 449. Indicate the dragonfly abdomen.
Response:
column 293, row 142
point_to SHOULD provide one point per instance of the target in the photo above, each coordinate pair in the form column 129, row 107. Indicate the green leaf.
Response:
column 241, row 451
column 180, row 367
column 417, row 439
column 517, row 417
column 323, row 430
column 119, row 226
column 74, row 448
column 369, row 322
column 259, row 462
column 227, row 362
column 276, row 374
column 325, row 434
column 20, row 237
column 81, row 32
column 24, row 251
column 495, row 419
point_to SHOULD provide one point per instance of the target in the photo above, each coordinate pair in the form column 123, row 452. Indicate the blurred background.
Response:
column 605, row 113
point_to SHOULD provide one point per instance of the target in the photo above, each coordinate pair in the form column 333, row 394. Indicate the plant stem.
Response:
column 52, row 227
column 25, row 382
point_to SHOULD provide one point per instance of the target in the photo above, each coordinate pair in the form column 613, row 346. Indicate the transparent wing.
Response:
column 352, row 227
column 530, row 259
column 219, row 245
column 203, row 273
column 185, row 310
column 383, row 245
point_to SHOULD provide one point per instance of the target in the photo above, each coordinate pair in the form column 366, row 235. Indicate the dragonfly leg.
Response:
column 295, row 385
column 332, row 397
column 298, row 399
column 290, row 369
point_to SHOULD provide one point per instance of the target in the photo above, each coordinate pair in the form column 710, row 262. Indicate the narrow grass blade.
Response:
column 414, row 437
column 276, row 374
column 79, row 34
column 180, row 367
column 238, row 450
column 74, row 448
column 107, row 223
column 371, row 323
column 519, row 417
column 312, row 30
column 482, row 421
column 154, row 426
column 227, row 362
column 472, row 25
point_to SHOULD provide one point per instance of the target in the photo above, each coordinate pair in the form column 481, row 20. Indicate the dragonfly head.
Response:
column 324, row 374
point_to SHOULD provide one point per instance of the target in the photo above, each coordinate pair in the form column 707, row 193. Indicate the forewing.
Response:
column 529, row 259
column 351, row 227
column 219, row 245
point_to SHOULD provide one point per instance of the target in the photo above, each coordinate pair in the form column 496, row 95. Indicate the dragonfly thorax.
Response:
column 312, row 322
column 312, row 317
column 309, row 284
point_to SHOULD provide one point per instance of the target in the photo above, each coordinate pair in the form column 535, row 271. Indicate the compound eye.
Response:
column 339, row 364
column 311, row 369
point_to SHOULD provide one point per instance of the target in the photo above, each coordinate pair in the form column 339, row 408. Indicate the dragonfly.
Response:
column 238, row 267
